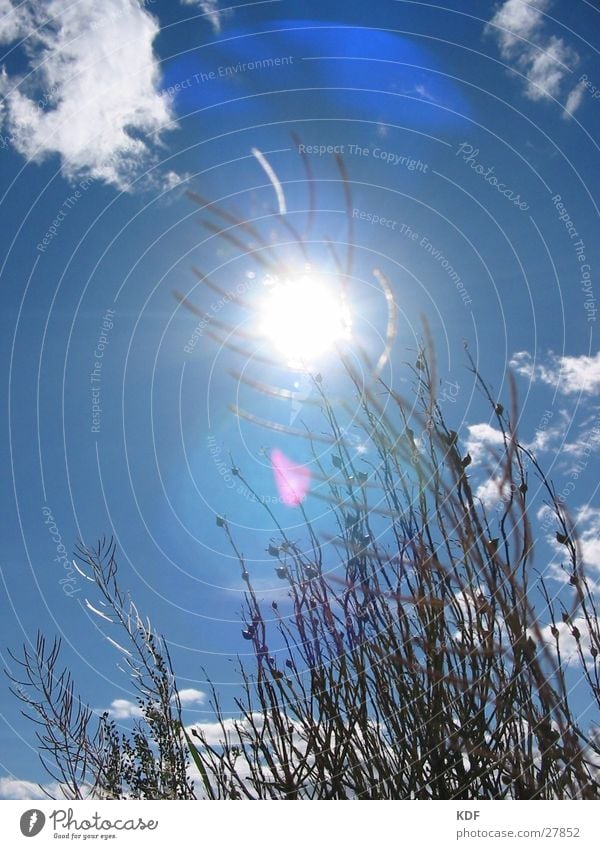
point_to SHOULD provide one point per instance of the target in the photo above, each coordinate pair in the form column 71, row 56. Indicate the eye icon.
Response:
column 32, row 822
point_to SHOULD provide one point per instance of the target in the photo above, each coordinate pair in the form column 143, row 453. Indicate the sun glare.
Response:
column 303, row 318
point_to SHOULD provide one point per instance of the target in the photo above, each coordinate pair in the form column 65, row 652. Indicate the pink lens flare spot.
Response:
column 292, row 481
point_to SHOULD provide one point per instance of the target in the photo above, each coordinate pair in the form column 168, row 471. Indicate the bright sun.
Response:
column 303, row 318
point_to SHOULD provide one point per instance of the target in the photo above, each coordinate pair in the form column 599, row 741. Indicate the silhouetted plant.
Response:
column 421, row 655
column 417, row 667
column 424, row 663
column 85, row 752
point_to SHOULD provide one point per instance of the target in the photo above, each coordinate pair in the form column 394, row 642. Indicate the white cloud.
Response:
column 522, row 362
column 482, row 441
column 210, row 8
column 214, row 733
column 567, row 641
column 493, row 491
column 588, row 439
column 545, row 440
column 483, row 444
column 189, row 696
column 92, row 92
column 587, row 524
column 124, row 709
column 516, row 20
column 574, row 100
column 172, row 179
column 17, row 788
column 14, row 21
column 424, row 92
column 570, row 375
column 586, row 520
column 128, row 709
column 550, row 438
column 545, row 68
column 469, row 601
column 544, row 60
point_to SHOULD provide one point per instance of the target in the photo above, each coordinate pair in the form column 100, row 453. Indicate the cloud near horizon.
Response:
column 18, row 788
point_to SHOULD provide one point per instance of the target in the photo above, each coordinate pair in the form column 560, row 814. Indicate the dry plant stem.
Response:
column 84, row 751
column 415, row 667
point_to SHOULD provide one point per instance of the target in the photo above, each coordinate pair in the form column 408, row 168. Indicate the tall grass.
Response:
column 426, row 663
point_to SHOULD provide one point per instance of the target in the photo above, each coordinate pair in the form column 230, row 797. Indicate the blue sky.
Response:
column 469, row 133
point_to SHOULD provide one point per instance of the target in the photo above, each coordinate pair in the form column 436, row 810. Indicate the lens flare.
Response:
column 292, row 480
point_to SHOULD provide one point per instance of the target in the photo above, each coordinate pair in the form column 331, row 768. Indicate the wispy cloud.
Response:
column 574, row 100
column 91, row 95
column 544, row 59
column 210, row 8
column 587, row 441
column 569, row 375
